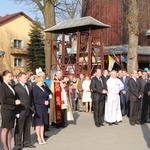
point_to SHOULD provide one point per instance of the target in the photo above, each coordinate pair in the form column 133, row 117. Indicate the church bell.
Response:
column 73, row 47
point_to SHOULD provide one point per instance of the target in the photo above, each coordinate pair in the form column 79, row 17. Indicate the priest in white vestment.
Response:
column 112, row 105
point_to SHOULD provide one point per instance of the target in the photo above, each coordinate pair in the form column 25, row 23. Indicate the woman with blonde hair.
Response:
column 41, row 101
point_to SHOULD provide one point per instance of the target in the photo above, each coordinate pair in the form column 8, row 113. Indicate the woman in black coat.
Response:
column 41, row 101
column 8, row 104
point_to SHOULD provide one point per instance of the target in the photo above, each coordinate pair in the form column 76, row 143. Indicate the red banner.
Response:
column 57, row 91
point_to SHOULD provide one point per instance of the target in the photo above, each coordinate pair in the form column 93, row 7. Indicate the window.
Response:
column 18, row 62
column 18, row 43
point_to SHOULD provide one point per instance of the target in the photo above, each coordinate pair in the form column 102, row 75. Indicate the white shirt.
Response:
column 11, row 89
column 134, row 79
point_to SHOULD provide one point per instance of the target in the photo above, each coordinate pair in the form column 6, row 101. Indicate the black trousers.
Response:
column 146, row 109
column 98, row 111
column 22, row 129
column 135, row 111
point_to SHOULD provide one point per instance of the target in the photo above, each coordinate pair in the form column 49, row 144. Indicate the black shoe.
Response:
column 57, row 125
column 137, row 122
column 29, row 146
column 17, row 149
column 116, row 123
column 110, row 124
column 142, row 122
column 101, row 124
column 132, row 123
column 97, row 124
column 147, row 121
column 53, row 124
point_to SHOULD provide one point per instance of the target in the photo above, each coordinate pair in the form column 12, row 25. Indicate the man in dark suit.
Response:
column 124, row 94
column 145, row 98
column 119, row 74
column 23, row 121
column 105, row 75
column 98, row 92
column 135, row 96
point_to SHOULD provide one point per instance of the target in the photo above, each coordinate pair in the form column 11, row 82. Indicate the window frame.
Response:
column 16, row 43
column 16, row 61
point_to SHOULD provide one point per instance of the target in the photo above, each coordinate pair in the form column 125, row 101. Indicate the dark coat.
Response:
column 135, row 89
column 126, row 87
column 22, row 95
column 147, row 89
column 7, row 97
column 39, row 96
column 41, row 109
column 143, row 84
column 96, row 88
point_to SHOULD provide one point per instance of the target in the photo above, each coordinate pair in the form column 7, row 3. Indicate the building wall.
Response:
column 144, row 22
column 113, row 13
column 18, row 28
column 108, row 12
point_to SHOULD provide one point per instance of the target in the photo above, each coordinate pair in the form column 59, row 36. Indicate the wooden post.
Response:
column 77, row 54
column 102, row 52
column 89, row 52
column 63, row 54
column 51, row 52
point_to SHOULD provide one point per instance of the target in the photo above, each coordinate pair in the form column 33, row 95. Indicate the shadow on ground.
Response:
column 146, row 134
column 54, row 131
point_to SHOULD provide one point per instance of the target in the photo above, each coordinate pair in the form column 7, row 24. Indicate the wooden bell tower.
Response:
column 77, row 51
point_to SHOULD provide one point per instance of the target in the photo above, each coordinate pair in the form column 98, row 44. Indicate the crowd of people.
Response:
column 39, row 101
column 117, row 94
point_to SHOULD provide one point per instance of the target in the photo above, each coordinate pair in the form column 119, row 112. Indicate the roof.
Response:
column 123, row 49
column 11, row 16
column 73, row 25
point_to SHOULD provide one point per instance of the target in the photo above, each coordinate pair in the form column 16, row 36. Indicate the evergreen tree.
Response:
column 36, row 54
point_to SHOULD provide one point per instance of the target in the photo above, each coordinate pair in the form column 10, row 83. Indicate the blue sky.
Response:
column 9, row 7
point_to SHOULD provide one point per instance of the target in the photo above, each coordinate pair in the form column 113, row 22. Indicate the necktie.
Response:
column 101, row 80
column 26, row 89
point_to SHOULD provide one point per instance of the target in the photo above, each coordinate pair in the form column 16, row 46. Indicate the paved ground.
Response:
column 82, row 134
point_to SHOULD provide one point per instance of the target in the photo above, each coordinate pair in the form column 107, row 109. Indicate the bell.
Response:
column 87, row 47
column 83, row 60
column 60, row 49
column 96, row 59
column 74, row 47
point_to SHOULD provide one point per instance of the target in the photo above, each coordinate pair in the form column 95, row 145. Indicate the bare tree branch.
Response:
column 39, row 4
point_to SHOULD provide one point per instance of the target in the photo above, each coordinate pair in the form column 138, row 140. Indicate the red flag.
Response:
column 117, row 60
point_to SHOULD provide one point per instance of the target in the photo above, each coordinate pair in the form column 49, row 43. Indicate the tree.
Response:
column 49, row 9
column 133, row 31
column 68, row 9
column 35, row 48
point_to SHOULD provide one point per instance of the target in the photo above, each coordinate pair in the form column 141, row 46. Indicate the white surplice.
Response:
column 112, row 104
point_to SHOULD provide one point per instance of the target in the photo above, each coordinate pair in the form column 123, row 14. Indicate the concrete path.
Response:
column 82, row 134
